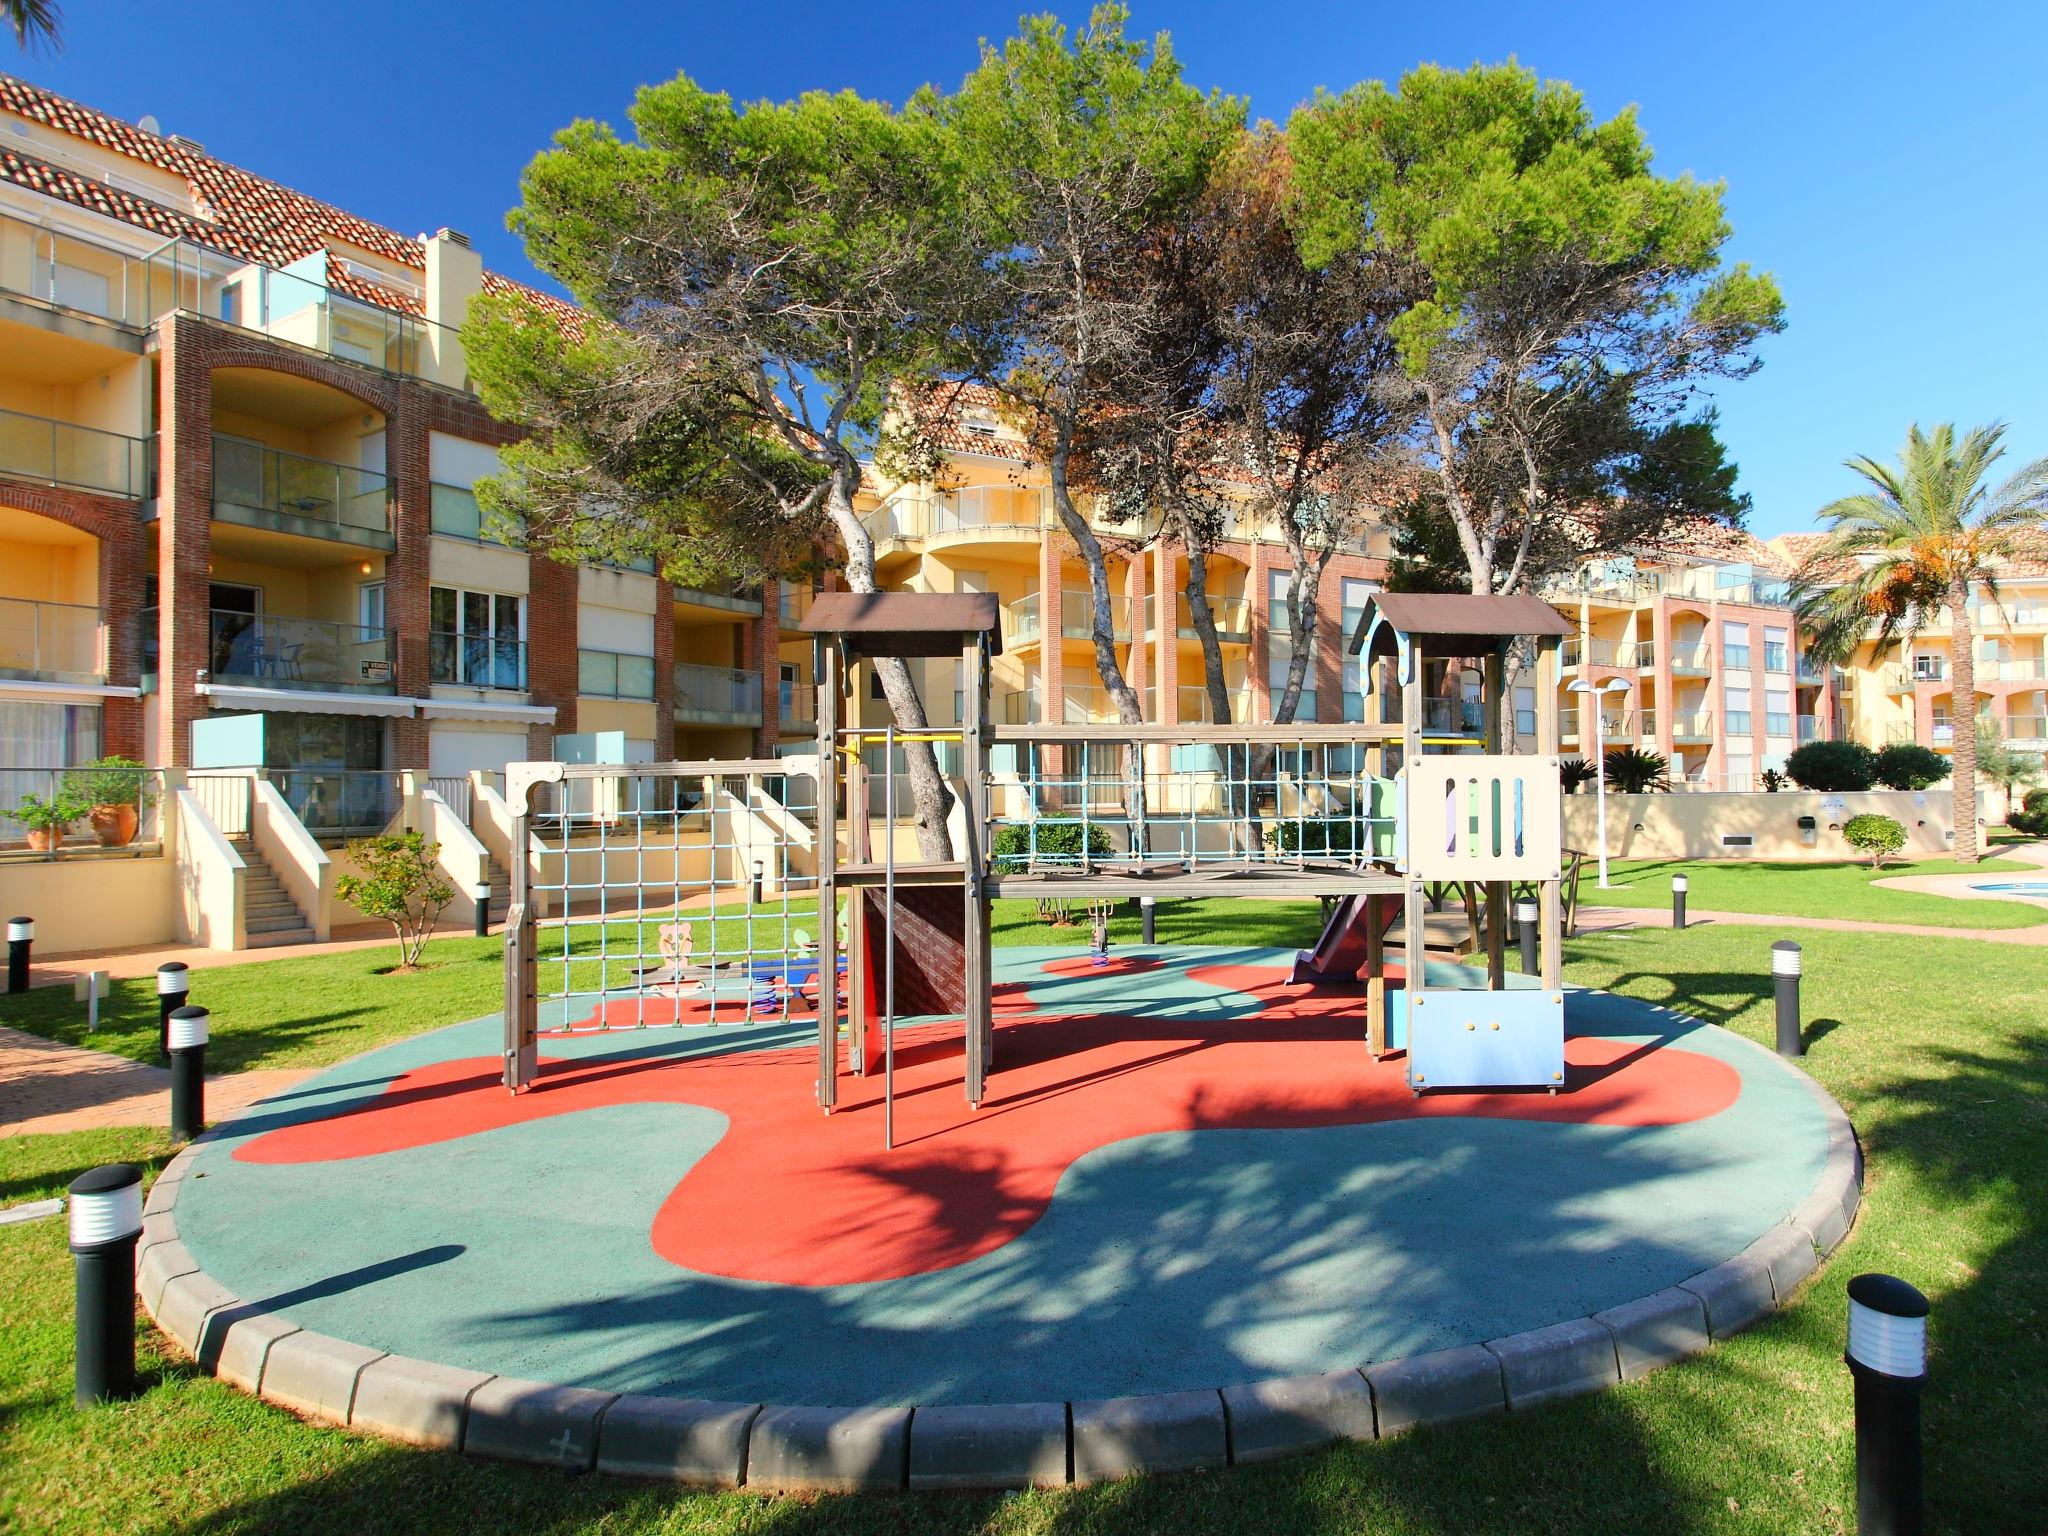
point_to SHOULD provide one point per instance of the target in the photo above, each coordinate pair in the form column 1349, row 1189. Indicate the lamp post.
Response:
column 1596, row 694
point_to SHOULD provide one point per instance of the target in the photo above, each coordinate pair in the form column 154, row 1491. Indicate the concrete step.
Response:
column 271, row 938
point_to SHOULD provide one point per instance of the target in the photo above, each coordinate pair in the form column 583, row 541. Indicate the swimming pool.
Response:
column 2017, row 888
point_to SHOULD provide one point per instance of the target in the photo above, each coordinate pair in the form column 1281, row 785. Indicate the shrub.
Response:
column 1334, row 835
column 1774, row 781
column 2035, row 801
column 114, row 781
column 2029, row 823
column 1056, row 843
column 55, row 814
column 1833, row 766
column 400, row 883
column 1575, row 771
column 1632, row 771
column 1908, row 765
column 1875, row 835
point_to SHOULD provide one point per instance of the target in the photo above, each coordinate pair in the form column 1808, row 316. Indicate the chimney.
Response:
column 455, row 274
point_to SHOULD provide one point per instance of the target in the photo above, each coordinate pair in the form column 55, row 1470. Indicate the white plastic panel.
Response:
column 1484, row 818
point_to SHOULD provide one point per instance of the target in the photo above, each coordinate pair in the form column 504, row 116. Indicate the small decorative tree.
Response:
column 1833, row 766
column 1908, row 765
column 1632, row 771
column 1878, row 836
column 400, row 884
column 1998, row 762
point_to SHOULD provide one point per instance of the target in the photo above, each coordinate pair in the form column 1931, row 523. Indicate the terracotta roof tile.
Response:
column 239, row 213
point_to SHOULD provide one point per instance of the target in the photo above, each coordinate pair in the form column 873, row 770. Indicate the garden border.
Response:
column 1012, row 1445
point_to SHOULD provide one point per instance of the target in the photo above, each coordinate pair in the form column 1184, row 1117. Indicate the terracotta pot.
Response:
column 43, row 839
column 114, row 825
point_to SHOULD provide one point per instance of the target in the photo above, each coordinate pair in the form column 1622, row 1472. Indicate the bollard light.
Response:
column 21, row 938
column 1887, row 1358
column 1679, row 886
column 1146, row 906
column 106, row 1219
column 173, row 987
column 481, row 896
column 190, row 1028
column 1525, row 924
column 1785, row 981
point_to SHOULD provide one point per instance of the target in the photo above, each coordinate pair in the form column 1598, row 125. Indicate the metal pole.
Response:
column 190, row 1030
column 1146, row 907
column 1525, row 923
column 21, row 938
column 1679, row 886
column 1600, row 791
column 106, row 1219
column 889, row 937
column 482, row 897
column 1785, row 977
column 173, row 986
column 1887, row 1356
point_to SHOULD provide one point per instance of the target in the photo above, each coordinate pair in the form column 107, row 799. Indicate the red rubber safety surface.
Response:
column 961, row 1183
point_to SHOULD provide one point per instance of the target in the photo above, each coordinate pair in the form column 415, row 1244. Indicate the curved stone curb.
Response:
column 1003, row 1445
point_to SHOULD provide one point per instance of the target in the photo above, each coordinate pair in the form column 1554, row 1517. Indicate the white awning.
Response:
column 228, row 696
column 478, row 709
column 64, row 693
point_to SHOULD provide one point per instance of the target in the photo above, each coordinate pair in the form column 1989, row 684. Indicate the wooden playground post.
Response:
column 825, row 672
column 1548, row 732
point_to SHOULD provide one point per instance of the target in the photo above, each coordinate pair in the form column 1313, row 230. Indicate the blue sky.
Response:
column 1883, row 160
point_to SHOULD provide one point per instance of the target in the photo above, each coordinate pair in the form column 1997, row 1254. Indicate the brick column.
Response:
column 1328, row 674
column 123, row 563
column 771, row 652
column 1166, row 652
column 184, row 535
column 551, row 642
column 1051, row 646
column 1260, row 664
column 1665, row 680
column 408, row 571
column 664, row 671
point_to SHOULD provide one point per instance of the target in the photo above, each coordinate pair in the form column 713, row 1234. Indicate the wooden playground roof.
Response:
column 906, row 623
column 1446, row 623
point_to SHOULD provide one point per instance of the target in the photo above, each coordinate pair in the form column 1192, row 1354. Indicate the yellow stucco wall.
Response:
column 1691, row 826
column 83, row 904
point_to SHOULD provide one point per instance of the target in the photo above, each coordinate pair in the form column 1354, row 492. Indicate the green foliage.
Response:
column 1908, row 765
column 1333, row 836
column 401, row 884
column 1634, row 771
column 1576, row 772
column 114, row 780
column 1833, row 766
column 2035, row 800
column 1875, row 835
column 2003, row 764
column 54, row 814
column 1773, row 781
column 1054, row 843
column 2032, row 823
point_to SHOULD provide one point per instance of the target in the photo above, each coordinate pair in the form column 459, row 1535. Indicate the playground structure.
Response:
column 1365, row 816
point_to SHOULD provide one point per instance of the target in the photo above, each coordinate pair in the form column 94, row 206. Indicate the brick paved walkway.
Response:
column 46, row 1086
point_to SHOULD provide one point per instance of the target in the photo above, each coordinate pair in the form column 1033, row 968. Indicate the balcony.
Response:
column 61, row 453
column 2030, row 731
column 50, row 642
column 1692, row 726
column 1691, row 661
column 1809, row 729
column 302, row 655
column 1598, row 653
column 1640, row 654
column 716, row 695
column 261, row 487
column 1615, row 726
column 2013, row 671
column 1452, row 717
column 614, row 675
column 796, row 704
column 1811, row 671
column 1233, row 616
column 1192, row 701
column 75, row 279
column 914, row 512
column 476, row 661
column 339, row 802
column 1024, row 626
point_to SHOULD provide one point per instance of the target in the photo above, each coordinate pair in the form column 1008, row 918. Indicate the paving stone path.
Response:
column 47, row 1086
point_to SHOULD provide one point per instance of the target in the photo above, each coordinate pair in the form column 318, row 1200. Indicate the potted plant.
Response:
column 46, row 821
column 115, row 791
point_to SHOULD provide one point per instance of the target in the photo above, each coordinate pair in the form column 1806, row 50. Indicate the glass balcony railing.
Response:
column 1195, row 708
column 61, row 453
column 50, row 642
column 1024, row 625
column 1691, row 661
column 915, row 512
column 728, row 693
column 476, row 661
column 1454, row 717
column 2002, row 671
column 2027, row 728
column 292, row 304
column 1809, row 729
column 1811, row 671
column 1077, row 614
column 796, row 704
column 613, row 675
column 266, row 651
column 1636, row 653
column 1233, row 616
column 339, row 801
column 1693, row 725
column 1646, row 724
column 267, row 487
column 1615, row 725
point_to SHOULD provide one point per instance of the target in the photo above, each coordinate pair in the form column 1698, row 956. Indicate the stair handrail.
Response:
column 211, row 879
column 462, row 856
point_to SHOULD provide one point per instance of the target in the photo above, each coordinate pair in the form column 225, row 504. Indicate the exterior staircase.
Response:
column 501, row 893
column 272, row 916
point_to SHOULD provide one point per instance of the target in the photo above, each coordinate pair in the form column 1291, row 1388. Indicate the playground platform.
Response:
column 1193, row 1223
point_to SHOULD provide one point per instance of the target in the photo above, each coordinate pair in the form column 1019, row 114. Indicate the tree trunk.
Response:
column 1962, row 714
column 1102, row 630
column 930, row 798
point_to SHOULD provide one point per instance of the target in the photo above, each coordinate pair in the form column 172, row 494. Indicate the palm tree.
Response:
column 34, row 21
column 1926, row 534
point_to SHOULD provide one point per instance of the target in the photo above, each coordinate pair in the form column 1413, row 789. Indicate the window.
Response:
column 231, row 303
column 1736, row 702
column 1280, row 647
column 1734, row 645
column 1738, row 771
column 370, row 605
column 476, row 638
column 1777, row 713
column 1777, row 650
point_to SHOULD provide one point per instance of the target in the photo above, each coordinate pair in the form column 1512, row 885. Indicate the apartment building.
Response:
column 1904, row 691
column 238, row 527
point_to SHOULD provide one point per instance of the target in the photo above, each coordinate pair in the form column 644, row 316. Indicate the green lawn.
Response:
column 1813, row 890
column 1937, row 1048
